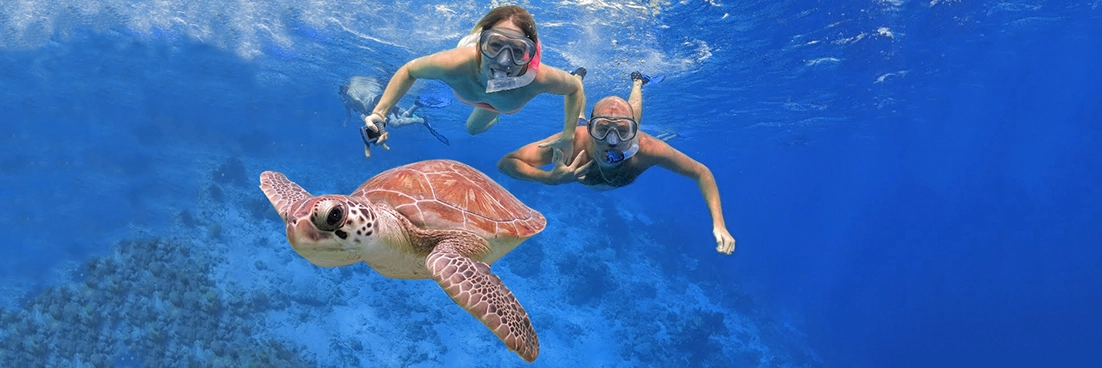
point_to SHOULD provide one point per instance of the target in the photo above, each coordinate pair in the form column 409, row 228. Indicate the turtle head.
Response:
column 331, row 230
column 328, row 230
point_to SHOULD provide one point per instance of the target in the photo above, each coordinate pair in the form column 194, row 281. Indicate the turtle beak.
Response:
column 318, row 247
column 302, row 234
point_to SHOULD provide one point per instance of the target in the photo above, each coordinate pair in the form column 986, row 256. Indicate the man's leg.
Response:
column 635, row 99
column 580, row 74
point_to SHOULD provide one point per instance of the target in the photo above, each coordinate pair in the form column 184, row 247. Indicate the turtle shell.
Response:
column 446, row 194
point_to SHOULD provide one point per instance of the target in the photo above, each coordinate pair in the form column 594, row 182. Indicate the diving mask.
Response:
column 625, row 129
column 614, row 131
column 499, row 44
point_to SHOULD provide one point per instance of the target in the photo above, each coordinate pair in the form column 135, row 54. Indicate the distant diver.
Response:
column 361, row 94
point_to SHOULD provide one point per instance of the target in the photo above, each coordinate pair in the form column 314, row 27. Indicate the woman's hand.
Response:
column 376, row 123
column 563, row 144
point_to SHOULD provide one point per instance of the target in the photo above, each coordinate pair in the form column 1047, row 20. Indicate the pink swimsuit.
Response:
column 485, row 106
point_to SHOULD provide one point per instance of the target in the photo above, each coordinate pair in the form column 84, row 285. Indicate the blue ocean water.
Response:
column 911, row 184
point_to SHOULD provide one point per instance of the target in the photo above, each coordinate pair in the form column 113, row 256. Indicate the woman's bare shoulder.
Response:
column 444, row 64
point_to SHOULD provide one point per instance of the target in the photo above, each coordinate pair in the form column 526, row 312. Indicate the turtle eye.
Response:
column 329, row 219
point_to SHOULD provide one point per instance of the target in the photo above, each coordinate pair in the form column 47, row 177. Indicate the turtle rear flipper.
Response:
column 282, row 192
column 470, row 284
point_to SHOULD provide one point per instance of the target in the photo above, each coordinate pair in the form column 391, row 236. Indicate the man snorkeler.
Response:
column 612, row 153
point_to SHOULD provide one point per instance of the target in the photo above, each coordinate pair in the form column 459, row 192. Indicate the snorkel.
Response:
column 504, row 73
column 614, row 156
column 615, row 138
column 502, row 81
column 506, row 70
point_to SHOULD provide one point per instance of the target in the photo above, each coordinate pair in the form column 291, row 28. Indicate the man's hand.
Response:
column 725, row 243
column 374, row 123
column 561, row 173
column 564, row 145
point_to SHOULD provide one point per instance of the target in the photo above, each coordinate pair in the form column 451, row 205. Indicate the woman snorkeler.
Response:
column 496, row 69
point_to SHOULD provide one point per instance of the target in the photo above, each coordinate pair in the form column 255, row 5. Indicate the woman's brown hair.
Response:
column 519, row 16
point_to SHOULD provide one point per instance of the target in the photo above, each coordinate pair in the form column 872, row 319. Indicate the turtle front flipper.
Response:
column 470, row 284
column 282, row 192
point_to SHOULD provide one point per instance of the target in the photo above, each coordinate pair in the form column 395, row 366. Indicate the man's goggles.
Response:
column 624, row 128
column 495, row 41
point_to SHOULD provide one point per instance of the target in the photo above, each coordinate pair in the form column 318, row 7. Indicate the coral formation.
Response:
column 151, row 299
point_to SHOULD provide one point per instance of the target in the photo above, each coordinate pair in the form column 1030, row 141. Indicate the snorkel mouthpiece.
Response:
column 498, row 74
column 503, row 81
column 615, row 156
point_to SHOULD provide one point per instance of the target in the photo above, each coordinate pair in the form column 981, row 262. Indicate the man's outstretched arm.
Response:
column 673, row 160
column 525, row 163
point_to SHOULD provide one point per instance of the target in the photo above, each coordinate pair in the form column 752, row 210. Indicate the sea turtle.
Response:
column 439, row 218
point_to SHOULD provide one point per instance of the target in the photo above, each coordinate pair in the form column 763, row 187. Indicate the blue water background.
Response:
column 911, row 184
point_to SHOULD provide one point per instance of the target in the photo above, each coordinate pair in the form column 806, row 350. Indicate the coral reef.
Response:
column 151, row 300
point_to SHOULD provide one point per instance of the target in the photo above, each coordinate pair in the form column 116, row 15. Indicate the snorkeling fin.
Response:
column 580, row 72
column 646, row 78
column 432, row 130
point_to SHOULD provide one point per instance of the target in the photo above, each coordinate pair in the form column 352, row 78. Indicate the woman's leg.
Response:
column 481, row 120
